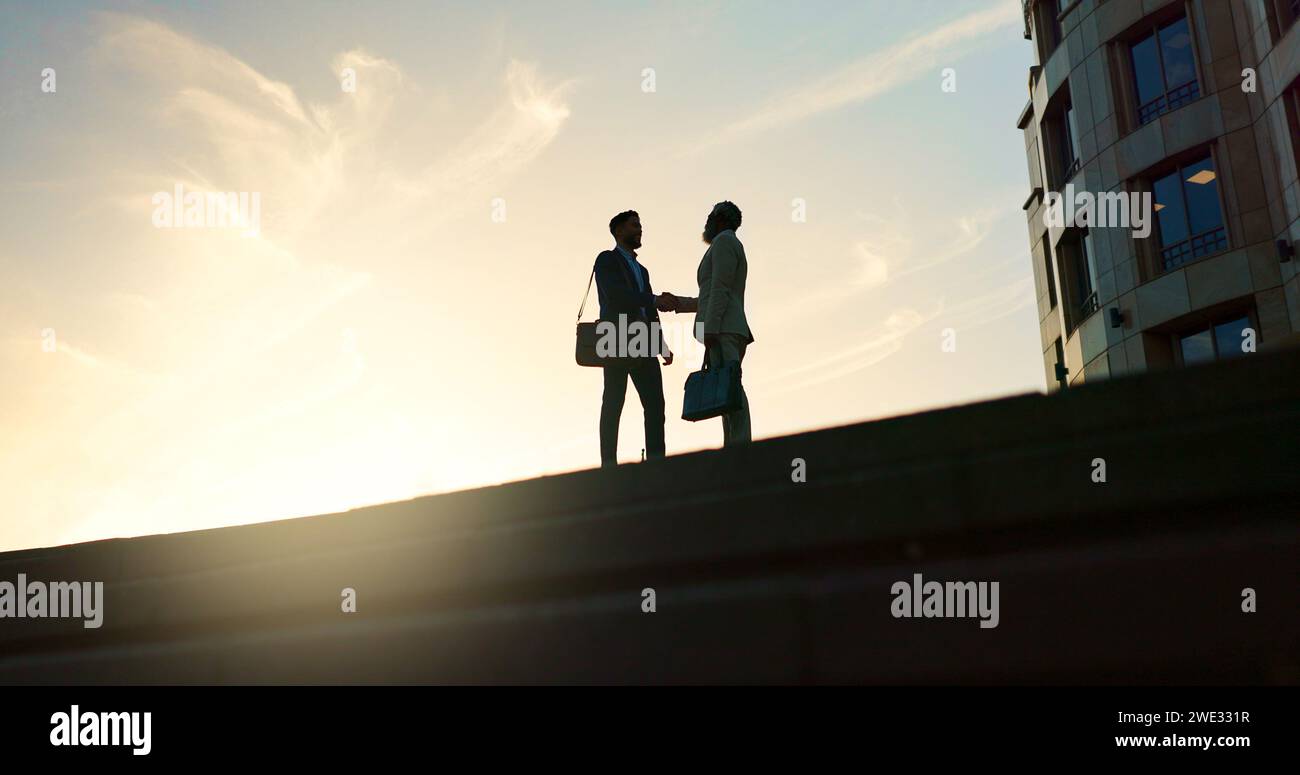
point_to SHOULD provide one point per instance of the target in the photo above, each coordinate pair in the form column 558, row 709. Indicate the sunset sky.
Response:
column 384, row 336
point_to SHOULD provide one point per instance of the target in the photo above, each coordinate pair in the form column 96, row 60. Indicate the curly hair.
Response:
column 729, row 215
column 620, row 218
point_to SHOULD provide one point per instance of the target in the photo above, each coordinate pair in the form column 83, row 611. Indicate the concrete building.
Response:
column 1194, row 104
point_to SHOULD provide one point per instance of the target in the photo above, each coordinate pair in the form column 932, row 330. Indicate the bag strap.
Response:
column 586, row 294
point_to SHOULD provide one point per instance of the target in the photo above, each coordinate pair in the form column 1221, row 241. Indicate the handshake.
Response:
column 666, row 302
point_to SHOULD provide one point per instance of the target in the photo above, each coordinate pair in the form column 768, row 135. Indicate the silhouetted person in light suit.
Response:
column 720, row 307
column 623, row 286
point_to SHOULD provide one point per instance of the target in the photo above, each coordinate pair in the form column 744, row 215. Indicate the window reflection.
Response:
column 1164, row 70
column 1229, row 338
column 1197, row 348
column 1176, row 48
column 1188, row 213
column 1202, row 189
column 1146, row 71
column 1172, row 214
column 1219, row 341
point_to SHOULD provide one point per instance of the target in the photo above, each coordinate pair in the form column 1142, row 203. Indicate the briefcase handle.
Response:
column 705, row 365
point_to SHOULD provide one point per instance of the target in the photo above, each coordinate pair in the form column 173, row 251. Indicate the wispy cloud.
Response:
column 874, row 345
column 530, row 119
column 79, row 355
column 347, row 162
column 1002, row 300
column 876, row 73
column 886, row 253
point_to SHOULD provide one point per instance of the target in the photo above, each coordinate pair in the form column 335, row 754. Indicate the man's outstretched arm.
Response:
column 687, row 304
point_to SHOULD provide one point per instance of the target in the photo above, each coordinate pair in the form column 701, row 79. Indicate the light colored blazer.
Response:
column 720, row 307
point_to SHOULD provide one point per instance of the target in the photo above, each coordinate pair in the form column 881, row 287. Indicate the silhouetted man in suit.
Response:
column 720, row 307
column 623, row 286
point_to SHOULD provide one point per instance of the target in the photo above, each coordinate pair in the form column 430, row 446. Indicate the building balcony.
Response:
column 1199, row 246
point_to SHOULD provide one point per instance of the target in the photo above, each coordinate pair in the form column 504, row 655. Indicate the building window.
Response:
column 1085, row 279
column 1061, row 374
column 1070, row 144
column 1188, row 213
column 1215, row 342
column 1049, row 28
column 1079, row 272
column 1164, row 70
column 1051, row 274
column 1062, row 128
column 1291, row 101
column 1280, row 15
column 1285, row 13
column 1036, row 173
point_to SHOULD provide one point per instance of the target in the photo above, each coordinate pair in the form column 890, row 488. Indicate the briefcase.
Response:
column 586, row 353
column 711, row 392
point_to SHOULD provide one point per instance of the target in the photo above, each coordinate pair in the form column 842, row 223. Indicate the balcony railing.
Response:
column 1089, row 306
column 1202, row 244
column 1071, row 170
column 1173, row 100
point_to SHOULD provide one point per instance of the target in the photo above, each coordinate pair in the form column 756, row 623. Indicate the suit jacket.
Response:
column 618, row 293
column 720, row 307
